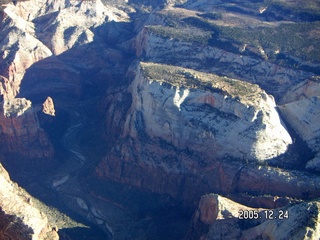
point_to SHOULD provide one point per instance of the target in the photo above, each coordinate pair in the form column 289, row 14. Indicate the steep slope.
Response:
column 231, row 220
column 188, row 132
column 169, row 99
column 19, row 219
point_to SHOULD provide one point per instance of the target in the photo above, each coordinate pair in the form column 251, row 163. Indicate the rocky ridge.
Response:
column 172, row 116
column 179, row 122
column 231, row 220
column 19, row 218
column 21, row 134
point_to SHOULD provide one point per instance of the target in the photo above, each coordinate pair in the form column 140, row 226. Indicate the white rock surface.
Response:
column 304, row 117
column 306, row 89
column 218, row 122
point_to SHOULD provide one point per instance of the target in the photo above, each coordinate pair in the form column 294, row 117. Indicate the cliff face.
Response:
column 189, row 130
column 201, row 109
column 20, row 132
column 34, row 36
column 232, row 118
column 155, row 42
column 217, row 214
column 19, row 219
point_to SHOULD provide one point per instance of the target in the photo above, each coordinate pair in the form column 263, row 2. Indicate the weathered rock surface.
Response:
column 306, row 89
column 19, row 219
column 21, row 134
column 183, row 129
column 48, row 107
column 303, row 116
column 214, row 115
column 159, row 40
column 219, row 218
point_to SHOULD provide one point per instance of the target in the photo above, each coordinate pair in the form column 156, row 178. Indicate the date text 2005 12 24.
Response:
column 269, row 214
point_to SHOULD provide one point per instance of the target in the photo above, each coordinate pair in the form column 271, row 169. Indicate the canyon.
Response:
column 159, row 120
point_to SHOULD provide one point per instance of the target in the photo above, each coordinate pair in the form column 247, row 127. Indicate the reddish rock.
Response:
column 22, row 136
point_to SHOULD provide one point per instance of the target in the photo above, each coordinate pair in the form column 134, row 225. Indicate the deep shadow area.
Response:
column 77, row 80
column 12, row 227
column 298, row 153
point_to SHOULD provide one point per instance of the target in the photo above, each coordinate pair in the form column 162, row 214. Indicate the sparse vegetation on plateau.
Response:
column 178, row 76
column 295, row 39
column 186, row 34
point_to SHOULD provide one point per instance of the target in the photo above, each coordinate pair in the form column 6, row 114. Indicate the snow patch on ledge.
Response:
column 178, row 98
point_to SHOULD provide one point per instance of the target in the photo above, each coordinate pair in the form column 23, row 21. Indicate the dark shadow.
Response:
column 12, row 227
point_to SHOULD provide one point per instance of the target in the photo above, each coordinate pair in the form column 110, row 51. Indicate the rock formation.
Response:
column 21, row 135
column 220, row 218
column 200, row 131
column 197, row 97
column 19, row 219
column 48, row 107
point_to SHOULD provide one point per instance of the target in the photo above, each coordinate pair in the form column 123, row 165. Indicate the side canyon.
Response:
column 159, row 119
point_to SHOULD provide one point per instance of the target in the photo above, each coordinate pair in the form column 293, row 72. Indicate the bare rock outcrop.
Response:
column 218, row 217
column 183, row 140
column 48, row 107
column 21, row 134
column 19, row 219
column 158, row 40
column 300, row 107
column 205, row 113
column 303, row 115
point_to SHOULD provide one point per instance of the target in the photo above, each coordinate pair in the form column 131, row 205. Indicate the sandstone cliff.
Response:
column 48, row 107
column 177, row 32
column 19, row 219
column 198, row 114
column 21, row 135
column 187, row 132
column 212, row 115
column 220, row 218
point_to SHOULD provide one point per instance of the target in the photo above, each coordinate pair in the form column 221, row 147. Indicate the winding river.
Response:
column 68, row 182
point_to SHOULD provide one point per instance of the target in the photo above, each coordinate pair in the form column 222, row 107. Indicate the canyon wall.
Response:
column 187, row 132
column 220, row 218
column 21, row 135
column 19, row 218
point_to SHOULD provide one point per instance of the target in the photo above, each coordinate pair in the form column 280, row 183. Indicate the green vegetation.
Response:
column 295, row 39
column 305, row 6
column 178, row 76
column 186, row 34
column 300, row 40
column 211, row 15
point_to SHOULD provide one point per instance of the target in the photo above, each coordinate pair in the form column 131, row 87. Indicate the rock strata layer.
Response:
column 188, row 132
column 220, row 218
column 21, row 134
column 19, row 219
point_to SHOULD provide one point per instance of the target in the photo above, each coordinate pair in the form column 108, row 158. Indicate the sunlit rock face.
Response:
column 48, row 107
column 300, row 107
column 218, row 217
column 19, row 219
column 220, row 121
column 153, row 46
column 186, row 122
column 21, row 134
